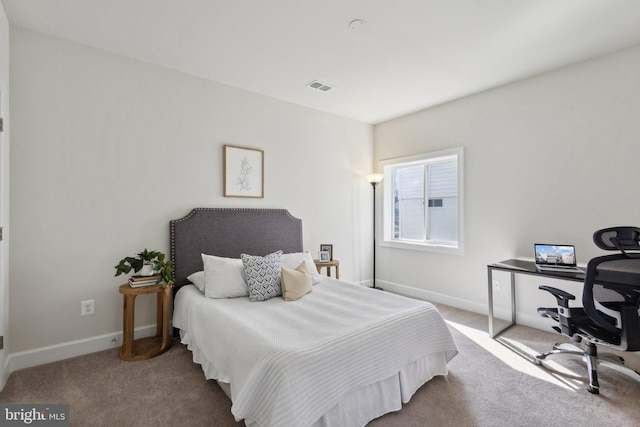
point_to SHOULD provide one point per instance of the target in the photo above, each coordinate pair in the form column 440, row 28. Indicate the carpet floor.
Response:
column 489, row 384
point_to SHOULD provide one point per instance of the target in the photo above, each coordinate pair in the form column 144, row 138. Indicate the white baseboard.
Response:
column 67, row 350
column 5, row 372
column 460, row 303
column 525, row 319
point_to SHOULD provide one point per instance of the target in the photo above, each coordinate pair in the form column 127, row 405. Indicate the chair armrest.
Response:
column 565, row 325
column 562, row 297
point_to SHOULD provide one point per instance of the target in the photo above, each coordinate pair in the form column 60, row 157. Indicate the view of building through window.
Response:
column 423, row 204
column 440, row 221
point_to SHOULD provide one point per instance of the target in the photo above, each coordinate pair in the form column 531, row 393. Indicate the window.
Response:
column 422, row 207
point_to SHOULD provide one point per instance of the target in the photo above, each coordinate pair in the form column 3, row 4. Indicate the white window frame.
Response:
column 388, row 206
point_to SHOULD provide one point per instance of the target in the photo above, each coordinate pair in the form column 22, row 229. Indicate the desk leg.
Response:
column 513, row 298
column 492, row 332
column 490, row 290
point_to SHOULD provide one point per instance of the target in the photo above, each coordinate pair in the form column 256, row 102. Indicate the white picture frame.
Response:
column 324, row 256
column 325, row 247
column 243, row 172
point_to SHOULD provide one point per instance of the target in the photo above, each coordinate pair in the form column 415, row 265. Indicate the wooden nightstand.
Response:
column 145, row 348
column 328, row 264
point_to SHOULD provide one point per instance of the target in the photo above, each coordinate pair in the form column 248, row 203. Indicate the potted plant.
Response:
column 148, row 263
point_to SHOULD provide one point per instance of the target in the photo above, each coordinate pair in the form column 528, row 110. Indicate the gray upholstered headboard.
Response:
column 229, row 233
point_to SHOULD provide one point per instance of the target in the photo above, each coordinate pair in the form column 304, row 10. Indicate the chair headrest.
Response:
column 618, row 238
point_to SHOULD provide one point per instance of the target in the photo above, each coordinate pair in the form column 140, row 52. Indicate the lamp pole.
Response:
column 374, row 179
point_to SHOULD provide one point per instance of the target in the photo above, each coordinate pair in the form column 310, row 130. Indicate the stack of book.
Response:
column 137, row 281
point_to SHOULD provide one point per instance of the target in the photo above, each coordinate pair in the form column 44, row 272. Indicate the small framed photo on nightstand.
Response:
column 324, row 256
column 327, row 248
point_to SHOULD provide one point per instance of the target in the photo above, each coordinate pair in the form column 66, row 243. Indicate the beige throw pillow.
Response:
column 293, row 260
column 296, row 283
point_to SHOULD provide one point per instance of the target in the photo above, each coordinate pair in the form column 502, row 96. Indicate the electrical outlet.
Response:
column 88, row 307
column 496, row 285
column 115, row 341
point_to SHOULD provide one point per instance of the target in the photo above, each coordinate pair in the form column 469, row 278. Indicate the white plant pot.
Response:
column 146, row 270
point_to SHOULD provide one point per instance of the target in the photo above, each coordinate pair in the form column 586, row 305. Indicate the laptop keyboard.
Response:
column 560, row 268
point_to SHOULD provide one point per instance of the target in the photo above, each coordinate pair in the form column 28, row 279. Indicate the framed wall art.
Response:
column 243, row 172
column 327, row 248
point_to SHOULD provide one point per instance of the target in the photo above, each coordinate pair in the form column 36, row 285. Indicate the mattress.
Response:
column 341, row 355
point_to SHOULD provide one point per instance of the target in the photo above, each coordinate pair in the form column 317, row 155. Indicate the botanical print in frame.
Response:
column 243, row 172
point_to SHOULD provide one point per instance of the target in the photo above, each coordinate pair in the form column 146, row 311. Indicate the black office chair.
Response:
column 611, row 305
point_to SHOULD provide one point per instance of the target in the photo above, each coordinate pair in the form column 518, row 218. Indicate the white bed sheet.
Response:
column 322, row 359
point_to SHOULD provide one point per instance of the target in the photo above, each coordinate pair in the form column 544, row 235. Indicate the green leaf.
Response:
column 155, row 258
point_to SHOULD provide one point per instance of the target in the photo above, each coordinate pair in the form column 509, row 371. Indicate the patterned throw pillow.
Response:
column 263, row 275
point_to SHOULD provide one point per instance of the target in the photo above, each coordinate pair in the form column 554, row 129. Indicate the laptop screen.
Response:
column 562, row 255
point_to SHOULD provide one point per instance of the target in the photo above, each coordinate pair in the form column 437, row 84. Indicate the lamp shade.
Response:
column 375, row 178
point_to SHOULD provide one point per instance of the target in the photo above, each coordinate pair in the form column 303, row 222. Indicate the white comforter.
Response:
column 289, row 363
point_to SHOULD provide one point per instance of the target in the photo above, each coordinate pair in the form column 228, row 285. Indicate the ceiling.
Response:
column 409, row 54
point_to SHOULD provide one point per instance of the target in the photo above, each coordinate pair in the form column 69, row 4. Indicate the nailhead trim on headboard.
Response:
column 229, row 232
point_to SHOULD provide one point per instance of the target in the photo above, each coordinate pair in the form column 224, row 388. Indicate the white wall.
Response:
column 549, row 159
column 108, row 150
column 4, row 188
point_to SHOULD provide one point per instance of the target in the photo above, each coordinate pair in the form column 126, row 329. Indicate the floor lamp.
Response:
column 374, row 179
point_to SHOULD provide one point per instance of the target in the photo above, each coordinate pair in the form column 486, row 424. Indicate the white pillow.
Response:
column 224, row 277
column 294, row 259
column 197, row 279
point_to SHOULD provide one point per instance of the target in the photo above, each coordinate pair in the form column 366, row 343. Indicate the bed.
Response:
column 340, row 355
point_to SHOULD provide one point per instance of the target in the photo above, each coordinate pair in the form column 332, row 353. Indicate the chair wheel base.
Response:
column 590, row 357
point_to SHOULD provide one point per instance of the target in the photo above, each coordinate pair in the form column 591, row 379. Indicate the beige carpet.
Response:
column 488, row 385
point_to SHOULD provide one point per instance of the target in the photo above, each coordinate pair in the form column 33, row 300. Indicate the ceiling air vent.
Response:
column 322, row 87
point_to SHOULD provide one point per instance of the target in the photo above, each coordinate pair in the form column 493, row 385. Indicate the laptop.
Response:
column 558, row 258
